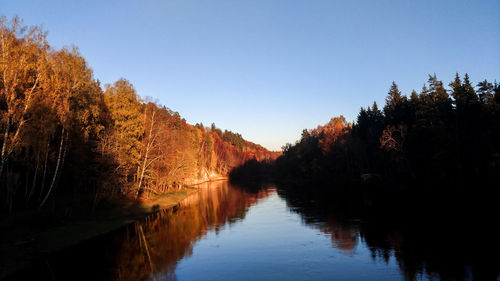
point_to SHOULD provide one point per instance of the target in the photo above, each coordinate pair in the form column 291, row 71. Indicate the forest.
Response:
column 68, row 142
column 440, row 139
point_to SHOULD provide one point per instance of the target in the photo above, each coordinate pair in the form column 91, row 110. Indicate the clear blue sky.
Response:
column 268, row 69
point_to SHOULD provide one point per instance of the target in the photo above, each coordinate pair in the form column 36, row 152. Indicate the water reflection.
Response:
column 229, row 233
column 439, row 242
column 152, row 247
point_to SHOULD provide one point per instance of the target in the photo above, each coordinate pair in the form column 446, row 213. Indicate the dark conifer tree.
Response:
column 485, row 91
column 394, row 105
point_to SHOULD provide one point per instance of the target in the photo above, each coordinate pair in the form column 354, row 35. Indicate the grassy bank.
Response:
column 22, row 241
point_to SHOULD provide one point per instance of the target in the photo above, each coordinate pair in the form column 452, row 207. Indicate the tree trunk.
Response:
column 62, row 165
column 44, row 170
column 142, row 174
column 149, row 145
column 56, row 172
column 3, row 156
column 6, row 151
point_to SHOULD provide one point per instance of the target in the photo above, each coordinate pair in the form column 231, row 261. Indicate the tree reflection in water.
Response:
column 149, row 249
column 453, row 244
column 154, row 246
column 438, row 241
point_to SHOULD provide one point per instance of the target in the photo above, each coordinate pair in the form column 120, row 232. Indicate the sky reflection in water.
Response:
column 271, row 242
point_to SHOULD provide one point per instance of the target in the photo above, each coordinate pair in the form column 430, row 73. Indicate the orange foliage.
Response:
column 60, row 131
column 330, row 133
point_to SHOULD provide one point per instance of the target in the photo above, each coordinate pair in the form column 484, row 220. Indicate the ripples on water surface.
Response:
column 227, row 233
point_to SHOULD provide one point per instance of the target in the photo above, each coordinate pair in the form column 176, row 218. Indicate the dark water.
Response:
column 227, row 233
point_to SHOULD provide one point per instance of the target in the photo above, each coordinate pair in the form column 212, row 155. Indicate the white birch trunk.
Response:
column 44, row 170
column 56, row 172
column 149, row 145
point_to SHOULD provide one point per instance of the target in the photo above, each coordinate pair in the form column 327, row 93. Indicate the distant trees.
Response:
column 65, row 142
column 234, row 138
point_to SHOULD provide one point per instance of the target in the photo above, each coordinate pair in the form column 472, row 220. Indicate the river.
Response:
column 225, row 232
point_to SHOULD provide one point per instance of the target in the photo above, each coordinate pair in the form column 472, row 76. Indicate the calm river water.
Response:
column 227, row 233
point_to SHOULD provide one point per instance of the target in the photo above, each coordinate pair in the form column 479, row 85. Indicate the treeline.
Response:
column 441, row 139
column 438, row 137
column 67, row 141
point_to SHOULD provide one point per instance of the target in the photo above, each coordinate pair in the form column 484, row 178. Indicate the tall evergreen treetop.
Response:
column 394, row 96
column 463, row 93
column 485, row 91
column 469, row 90
column 436, row 89
column 395, row 105
column 375, row 107
column 414, row 96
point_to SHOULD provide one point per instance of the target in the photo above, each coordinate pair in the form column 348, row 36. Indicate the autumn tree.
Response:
column 69, row 85
column 149, row 149
column 331, row 132
column 22, row 51
column 127, row 128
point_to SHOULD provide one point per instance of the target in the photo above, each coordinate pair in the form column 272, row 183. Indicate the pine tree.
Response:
column 436, row 90
column 393, row 98
column 470, row 93
column 485, row 91
column 463, row 93
column 395, row 106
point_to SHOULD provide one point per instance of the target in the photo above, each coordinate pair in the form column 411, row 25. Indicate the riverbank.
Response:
column 21, row 244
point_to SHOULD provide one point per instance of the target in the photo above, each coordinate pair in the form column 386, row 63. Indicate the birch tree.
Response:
column 21, row 51
column 149, row 144
column 71, row 88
